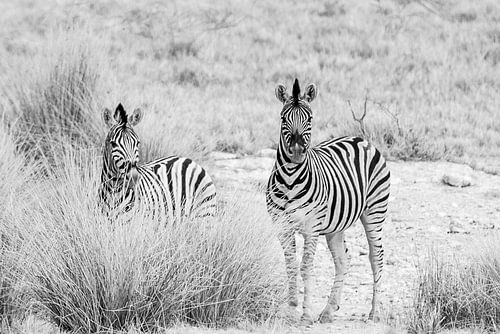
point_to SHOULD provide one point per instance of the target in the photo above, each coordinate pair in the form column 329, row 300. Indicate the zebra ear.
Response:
column 310, row 93
column 281, row 93
column 107, row 117
column 136, row 117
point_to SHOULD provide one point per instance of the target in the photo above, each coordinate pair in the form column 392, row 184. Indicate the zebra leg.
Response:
column 337, row 247
column 306, row 267
column 287, row 241
column 373, row 228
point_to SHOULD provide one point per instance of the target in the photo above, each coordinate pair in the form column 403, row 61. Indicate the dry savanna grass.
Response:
column 461, row 291
column 16, row 177
column 88, row 274
column 64, row 261
column 206, row 72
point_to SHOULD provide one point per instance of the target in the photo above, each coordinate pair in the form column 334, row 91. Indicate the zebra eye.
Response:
column 113, row 144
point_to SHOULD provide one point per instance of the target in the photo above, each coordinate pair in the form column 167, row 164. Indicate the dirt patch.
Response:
column 424, row 213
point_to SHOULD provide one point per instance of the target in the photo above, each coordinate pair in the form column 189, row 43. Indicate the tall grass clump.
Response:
column 54, row 94
column 89, row 274
column 463, row 291
column 16, row 174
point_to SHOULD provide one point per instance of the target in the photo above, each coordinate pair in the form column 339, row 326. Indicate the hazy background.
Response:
column 205, row 71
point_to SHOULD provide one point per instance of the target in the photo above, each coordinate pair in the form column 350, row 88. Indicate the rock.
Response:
column 457, row 228
column 493, row 56
column 456, row 180
column 492, row 193
column 222, row 156
column 267, row 153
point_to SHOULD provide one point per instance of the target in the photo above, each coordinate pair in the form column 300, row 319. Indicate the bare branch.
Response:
column 394, row 115
column 361, row 119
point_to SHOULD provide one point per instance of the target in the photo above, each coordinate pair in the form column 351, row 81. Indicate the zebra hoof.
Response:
column 373, row 317
column 293, row 302
column 306, row 320
column 328, row 314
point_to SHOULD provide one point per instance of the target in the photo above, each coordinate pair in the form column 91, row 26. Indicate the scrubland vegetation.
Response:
column 205, row 75
column 72, row 265
column 209, row 70
column 459, row 291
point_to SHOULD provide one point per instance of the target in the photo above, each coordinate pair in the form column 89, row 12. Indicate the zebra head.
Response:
column 121, row 148
column 296, row 118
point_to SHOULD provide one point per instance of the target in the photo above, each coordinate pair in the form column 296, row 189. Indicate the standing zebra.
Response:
column 323, row 190
column 176, row 187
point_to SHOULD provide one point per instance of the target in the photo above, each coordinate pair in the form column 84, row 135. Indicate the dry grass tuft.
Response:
column 53, row 97
column 459, row 292
column 16, row 176
column 90, row 274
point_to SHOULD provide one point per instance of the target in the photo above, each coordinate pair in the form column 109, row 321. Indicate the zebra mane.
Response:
column 296, row 91
column 123, row 114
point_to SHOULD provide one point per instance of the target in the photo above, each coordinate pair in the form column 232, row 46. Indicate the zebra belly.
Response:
column 315, row 220
column 338, row 219
column 304, row 218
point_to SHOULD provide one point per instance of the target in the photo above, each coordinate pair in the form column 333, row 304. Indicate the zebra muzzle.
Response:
column 133, row 176
column 297, row 153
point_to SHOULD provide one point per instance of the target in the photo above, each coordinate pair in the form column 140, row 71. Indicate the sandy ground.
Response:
column 423, row 213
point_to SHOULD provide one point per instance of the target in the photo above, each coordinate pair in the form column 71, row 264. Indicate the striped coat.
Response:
column 174, row 187
column 323, row 190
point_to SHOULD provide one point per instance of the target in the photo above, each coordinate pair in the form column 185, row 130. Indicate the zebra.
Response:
column 174, row 186
column 323, row 190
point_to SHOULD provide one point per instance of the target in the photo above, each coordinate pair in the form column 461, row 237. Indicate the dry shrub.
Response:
column 90, row 274
column 387, row 130
column 461, row 291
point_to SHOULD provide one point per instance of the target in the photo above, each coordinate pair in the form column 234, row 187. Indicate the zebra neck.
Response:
column 115, row 189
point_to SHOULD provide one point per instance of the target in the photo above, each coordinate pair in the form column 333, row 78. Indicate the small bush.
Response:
column 464, row 17
column 194, row 77
column 459, row 292
column 181, row 49
column 391, row 135
column 90, row 274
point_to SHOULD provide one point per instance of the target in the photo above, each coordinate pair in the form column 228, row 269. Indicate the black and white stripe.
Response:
column 176, row 187
column 323, row 190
